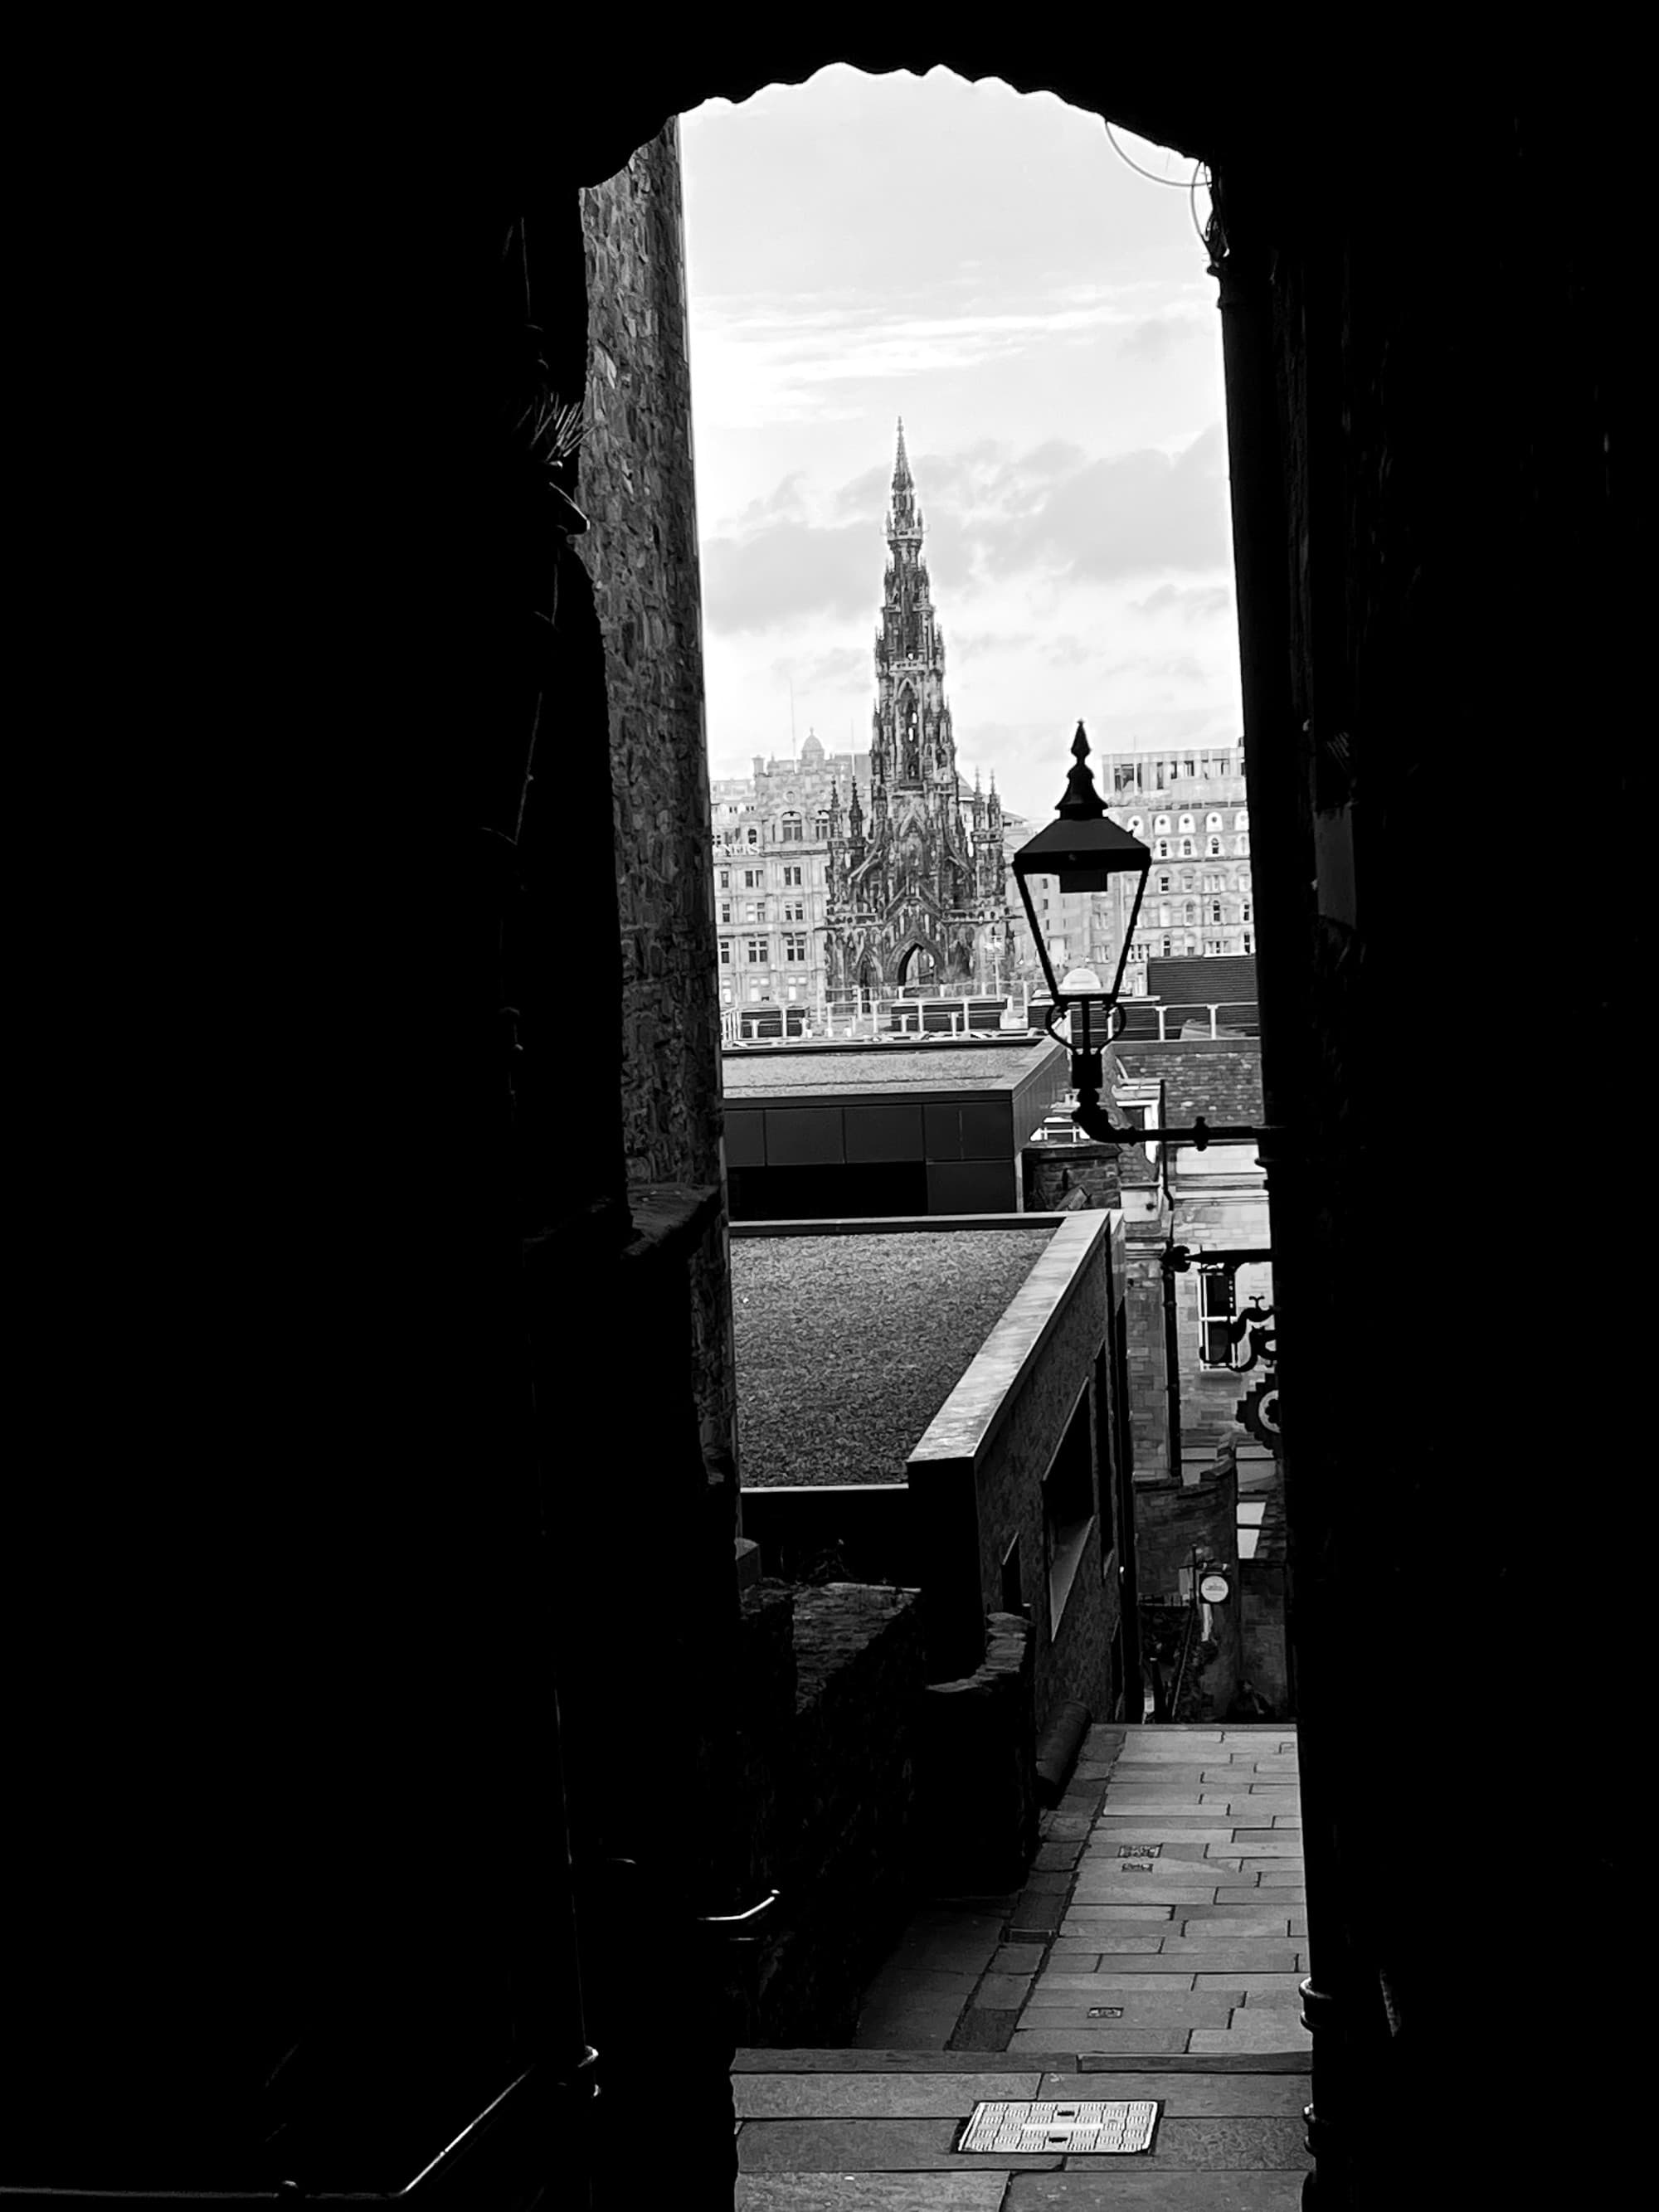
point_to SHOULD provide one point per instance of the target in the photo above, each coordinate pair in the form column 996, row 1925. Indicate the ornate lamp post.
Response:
column 1083, row 850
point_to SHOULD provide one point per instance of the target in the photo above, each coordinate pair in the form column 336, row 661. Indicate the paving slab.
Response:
column 1068, row 1979
column 1004, row 1989
column 1192, row 2096
column 1264, row 2031
column 1253, row 1986
column 1120, row 1934
column 1103, row 1913
column 844, row 2059
column 842, row 2146
column 1263, row 1906
column 1262, row 1957
column 871, row 2193
column 1155, row 1891
column 1267, row 1844
column 878, row 2096
column 1049, row 2007
column 1145, row 1962
column 984, row 2028
column 1112, row 2041
column 1145, row 2189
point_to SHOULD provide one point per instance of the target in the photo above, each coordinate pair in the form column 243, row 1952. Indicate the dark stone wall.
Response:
column 833, row 1804
column 638, row 491
column 979, row 1836
column 1059, row 1178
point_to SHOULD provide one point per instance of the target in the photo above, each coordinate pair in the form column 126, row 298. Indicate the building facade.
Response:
column 915, row 884
column 1191, row 811
column 771, row 833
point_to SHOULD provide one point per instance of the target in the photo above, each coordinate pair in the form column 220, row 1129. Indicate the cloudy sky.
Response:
column 981, row 263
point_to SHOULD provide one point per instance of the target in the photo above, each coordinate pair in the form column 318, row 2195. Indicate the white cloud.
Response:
column 984, row 264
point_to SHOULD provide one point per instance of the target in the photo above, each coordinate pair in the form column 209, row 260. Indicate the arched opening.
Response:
column 918, row 971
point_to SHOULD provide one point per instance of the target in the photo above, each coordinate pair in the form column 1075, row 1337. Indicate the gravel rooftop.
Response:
column 886, row 1067
column 849, row 1346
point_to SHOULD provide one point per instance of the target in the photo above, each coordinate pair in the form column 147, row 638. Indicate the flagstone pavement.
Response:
column 1154, row 1954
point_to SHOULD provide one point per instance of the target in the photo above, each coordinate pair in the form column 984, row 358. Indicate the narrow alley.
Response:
column 1153, row 1957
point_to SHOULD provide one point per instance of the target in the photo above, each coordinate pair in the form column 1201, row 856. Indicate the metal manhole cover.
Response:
column 1080, row 2127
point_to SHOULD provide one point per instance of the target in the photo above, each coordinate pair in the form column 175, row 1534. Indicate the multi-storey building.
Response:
column 1191, row 811
column 771, row 853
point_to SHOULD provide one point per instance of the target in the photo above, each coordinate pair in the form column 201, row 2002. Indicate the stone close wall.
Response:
column 842, row 1808
column 637, row 489
column 978, row 1769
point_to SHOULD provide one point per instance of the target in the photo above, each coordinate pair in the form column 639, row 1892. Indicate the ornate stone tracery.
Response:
column 917, row 886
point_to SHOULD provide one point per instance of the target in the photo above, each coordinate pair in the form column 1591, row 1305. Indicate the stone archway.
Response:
column 918, row 968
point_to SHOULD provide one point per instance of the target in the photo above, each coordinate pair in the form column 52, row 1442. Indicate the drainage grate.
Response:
column 1139, row 1850
column 1082, row 2127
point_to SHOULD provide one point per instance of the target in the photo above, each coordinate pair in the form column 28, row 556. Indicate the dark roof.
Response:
column 1220, row 1080
column 758, row 1072
column 1228, row 976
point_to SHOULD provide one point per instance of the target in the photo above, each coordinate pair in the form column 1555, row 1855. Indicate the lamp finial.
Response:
column 1081, row 802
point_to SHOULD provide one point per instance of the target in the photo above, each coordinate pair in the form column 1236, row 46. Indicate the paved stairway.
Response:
column 1155, row 1953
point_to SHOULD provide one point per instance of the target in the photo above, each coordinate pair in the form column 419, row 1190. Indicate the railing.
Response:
column 850, row 1016
column 1176, row 1021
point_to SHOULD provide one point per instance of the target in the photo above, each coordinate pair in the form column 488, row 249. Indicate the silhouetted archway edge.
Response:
column 1199, row 101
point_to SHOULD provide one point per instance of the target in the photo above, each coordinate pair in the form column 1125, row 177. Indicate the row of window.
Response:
column 1211, row 880
column 790, row 830
column 1189, row 913
column 1161, row 823
column 1152, row 775
column 789, row 909
column 754, row 879
column 1164, row 848
column 757, row 951
column 1169, row 948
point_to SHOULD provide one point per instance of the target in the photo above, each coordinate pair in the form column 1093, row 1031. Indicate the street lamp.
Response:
column 1084, row 851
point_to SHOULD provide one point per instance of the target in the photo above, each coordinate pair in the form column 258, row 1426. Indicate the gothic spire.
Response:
column 905, row 521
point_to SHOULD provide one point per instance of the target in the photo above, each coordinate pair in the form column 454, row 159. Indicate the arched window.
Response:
column 1212, row 847
column 1162, row 823
column 1189, row 914
column 1213, row 822
column 754, row 837
column 1186, row 821
column 1242, row 845
column 1134, row 825
column 824, row 822
column 792, row 829
column 1187, row 849
column 1241, row 820
column 1162, row 848
column 1215, row 909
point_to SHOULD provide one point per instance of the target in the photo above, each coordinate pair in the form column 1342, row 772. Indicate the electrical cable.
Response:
column 1180, row 183
column 1190, row 184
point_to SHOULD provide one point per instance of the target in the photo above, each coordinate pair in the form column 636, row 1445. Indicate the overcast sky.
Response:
column 981, row 262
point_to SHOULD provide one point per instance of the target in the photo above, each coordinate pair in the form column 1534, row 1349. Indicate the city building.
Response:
column 1190, row 810
column 771, row 832
column 915, row 883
